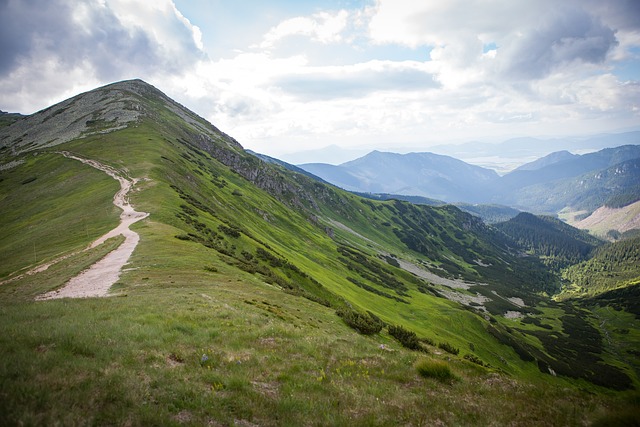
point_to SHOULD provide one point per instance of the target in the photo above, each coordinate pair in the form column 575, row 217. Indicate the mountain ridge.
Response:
column 553, row 158
column 451, row 180
column 418, row 174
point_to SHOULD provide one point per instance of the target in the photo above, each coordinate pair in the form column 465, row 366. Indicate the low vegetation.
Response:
column 449, row 348
column 407, row 338
column 366, row 324
column 436, row 369
column 612, row 266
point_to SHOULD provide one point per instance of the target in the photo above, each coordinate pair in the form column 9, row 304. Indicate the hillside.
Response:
column 607, row 222
column 489, row 213
column 241, row 301
column 8, row 118
column 612, row 266
column 557, row 243
column 571, row 168
column 585, row 192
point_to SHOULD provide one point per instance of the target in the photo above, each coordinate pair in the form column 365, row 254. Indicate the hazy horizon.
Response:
column 492, row 157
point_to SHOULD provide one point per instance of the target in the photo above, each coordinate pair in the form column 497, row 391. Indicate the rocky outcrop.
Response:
column 98, row 111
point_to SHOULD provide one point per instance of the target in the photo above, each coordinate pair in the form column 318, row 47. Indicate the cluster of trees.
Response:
column 612, row 266
column 624, row 199
column 558, row 243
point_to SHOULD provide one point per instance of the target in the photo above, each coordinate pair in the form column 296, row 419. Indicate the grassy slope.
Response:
column 557, row 243
column 186, row 347
column 272, row 354
column 605, row 220
column 44, row 209
column 613, row 266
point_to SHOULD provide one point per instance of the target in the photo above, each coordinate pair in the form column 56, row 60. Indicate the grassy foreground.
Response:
column 192, row 347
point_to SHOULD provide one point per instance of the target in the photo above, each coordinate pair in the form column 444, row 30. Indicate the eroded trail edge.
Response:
column 97, row 279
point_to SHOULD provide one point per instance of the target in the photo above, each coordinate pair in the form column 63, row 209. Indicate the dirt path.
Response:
column 97, row 279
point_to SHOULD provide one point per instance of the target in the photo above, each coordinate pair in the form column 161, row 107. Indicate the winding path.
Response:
column 97, row 279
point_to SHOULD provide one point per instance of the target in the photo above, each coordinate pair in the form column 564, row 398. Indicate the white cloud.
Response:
column 99, row 41
column 358, row 80
column 321, row 27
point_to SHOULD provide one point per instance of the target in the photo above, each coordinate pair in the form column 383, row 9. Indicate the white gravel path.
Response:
column 98, row 279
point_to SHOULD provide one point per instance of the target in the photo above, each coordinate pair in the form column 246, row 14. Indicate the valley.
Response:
column 258, row 295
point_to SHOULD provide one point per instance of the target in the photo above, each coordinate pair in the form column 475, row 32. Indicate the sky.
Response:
column 285, row 76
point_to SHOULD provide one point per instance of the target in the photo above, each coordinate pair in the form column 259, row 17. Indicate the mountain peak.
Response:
column 100, row 110
column 137, row 86
column 105, row 109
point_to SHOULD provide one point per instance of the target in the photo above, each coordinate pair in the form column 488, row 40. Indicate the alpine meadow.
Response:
column 248, row 292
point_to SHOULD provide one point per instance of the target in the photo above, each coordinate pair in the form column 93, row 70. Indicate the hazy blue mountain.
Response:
column 584, row 192
column 418, row 174
column 550, row 159
column 336, row 175
column 333, row 155
column 286, row 165
column 572, row 168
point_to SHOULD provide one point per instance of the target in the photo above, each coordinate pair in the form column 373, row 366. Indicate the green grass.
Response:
column 272, row 359
column 65, row 207
column 436, row 369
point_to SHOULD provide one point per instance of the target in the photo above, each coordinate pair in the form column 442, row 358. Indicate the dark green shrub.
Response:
column 28, row 180
column 475, row 359
column 363, row 323
column 436, row 369
column 449, row 348
column 428, row 341
column 229, row 231
column 407, row 338
column 391, row 260
column 188, row 210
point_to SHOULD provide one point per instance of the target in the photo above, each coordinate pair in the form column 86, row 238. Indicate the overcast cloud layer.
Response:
column 384, row 73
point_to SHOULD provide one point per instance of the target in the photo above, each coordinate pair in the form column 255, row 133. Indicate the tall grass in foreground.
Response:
column 437, row 369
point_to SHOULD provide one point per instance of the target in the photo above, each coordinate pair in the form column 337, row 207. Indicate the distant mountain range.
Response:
column 503, row 157
column 415, row 174
column 546, row 185
column 528, row 147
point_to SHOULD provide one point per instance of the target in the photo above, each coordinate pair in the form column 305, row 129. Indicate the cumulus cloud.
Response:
column 108, row 40
column 532, row 39
column 322, row 27
column 357, row 80
column 569, row 37
column 489, row 67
